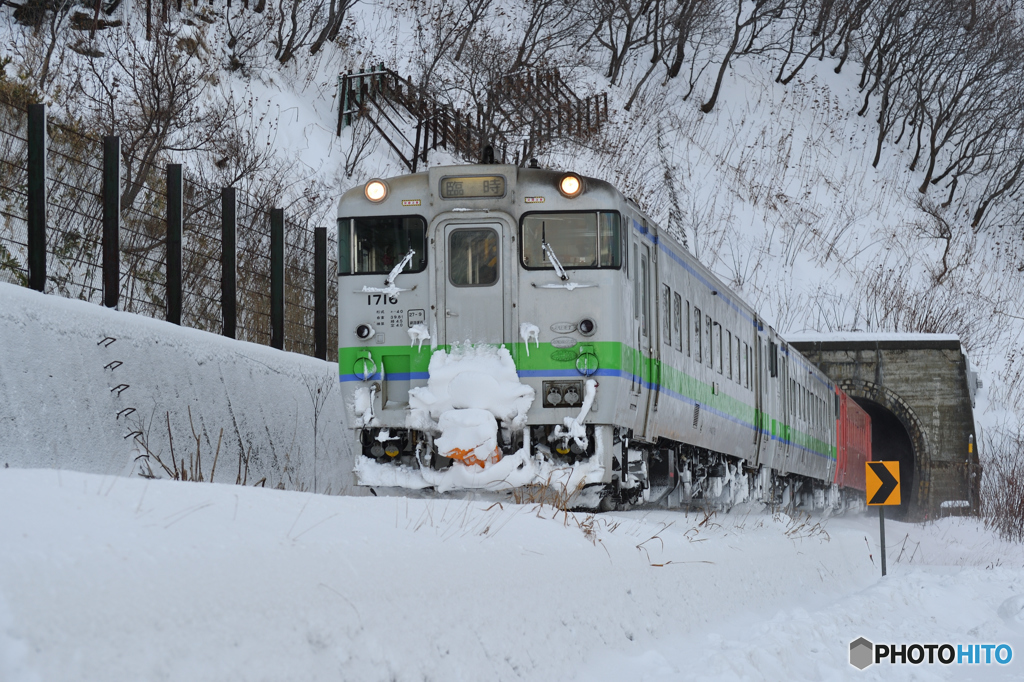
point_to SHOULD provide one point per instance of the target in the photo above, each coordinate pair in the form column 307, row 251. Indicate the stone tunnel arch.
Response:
column 894, row 415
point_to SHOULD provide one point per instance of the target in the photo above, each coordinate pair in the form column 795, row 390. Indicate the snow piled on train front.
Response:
column 471, row 392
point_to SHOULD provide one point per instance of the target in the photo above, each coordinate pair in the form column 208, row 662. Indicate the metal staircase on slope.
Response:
column 524, row 113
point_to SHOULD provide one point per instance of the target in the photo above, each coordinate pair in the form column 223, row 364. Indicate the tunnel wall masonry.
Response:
column 924, row 383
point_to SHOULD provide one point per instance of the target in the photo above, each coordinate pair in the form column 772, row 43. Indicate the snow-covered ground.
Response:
column 106, row 575
column 113, row 578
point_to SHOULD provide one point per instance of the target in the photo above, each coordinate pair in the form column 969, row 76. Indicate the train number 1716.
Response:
column 377, row 299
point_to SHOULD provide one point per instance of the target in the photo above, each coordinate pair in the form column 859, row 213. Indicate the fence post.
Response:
column 416, row 146
column 345, row 100
column 341, row 102
column 37, row 196
column 174, row 220
column 228, row 276
column 111, row 220
column 277, row 278
column 320, row 292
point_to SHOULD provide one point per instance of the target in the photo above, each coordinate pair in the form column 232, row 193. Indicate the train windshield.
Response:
column 578, row 240
column 374, row 246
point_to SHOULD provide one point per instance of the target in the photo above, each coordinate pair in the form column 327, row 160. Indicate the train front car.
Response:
column 477, row 306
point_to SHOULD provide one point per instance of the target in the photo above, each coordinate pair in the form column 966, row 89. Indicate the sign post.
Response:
column 883, row 489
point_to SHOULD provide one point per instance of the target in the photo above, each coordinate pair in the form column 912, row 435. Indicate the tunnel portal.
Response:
column 919, row 392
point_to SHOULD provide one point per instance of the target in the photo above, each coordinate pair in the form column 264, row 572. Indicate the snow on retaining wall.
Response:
column 62, row 389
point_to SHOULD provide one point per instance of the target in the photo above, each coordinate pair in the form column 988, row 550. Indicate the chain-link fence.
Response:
column 74, row 237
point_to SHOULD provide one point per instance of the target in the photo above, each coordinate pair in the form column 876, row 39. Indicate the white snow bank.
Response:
column 77, row 380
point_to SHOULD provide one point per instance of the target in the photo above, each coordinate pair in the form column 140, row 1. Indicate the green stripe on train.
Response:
column 611, row 355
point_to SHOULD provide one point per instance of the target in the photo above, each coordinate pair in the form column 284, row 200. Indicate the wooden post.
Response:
column 111, row 220
column 228, row 271
column 37, row 196
column 320, row 292
column 277, row 278
column 174, row 227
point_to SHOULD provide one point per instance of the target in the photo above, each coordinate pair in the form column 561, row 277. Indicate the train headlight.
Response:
column 586, row 326
column 570, row 185
column 376, row 191
column 364, row 331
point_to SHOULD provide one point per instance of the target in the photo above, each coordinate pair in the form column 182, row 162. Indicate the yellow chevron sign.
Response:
column 883, row 483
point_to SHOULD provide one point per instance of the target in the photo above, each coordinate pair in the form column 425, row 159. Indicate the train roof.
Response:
column 872, row 340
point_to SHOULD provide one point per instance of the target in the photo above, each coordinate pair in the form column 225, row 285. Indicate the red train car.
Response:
column 853, row 443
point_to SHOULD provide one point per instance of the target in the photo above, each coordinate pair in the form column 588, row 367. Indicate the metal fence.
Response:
column 74, row 229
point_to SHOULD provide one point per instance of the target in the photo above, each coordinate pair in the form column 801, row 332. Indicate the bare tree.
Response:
column 336, row 11
column 55, row 33
column 156, row 96
column 750, row 18
column 547, row 27
column 621, row 26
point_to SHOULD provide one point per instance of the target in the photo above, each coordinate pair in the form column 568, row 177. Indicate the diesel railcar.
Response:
column 506, row 327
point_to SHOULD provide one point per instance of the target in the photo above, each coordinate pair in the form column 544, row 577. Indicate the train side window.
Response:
column 728, row 340
column 745, row 367
column 666, row 313
column 746, row 364
column 708, row 342
column 344, row 246
column 716, row 346
column 739, row 363
column 630, row 272
column 689, row 336
column 677, row 320
column 636, row 283
column 760, row 363
column 644, row 303
column 697, row 346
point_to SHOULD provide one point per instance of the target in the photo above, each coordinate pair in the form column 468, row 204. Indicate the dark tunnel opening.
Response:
column 890, row 441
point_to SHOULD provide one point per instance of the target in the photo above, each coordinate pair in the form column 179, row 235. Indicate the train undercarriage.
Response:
column 665, row 474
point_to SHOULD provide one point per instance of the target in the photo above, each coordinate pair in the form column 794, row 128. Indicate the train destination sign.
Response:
column 473, row 187
column 883, row 483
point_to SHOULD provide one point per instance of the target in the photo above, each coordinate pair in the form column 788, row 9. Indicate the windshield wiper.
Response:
column 562, row 275
column 397, row 270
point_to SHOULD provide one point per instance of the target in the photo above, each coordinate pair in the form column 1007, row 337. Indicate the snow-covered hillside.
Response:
column 773, row 188
column 104, row 577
